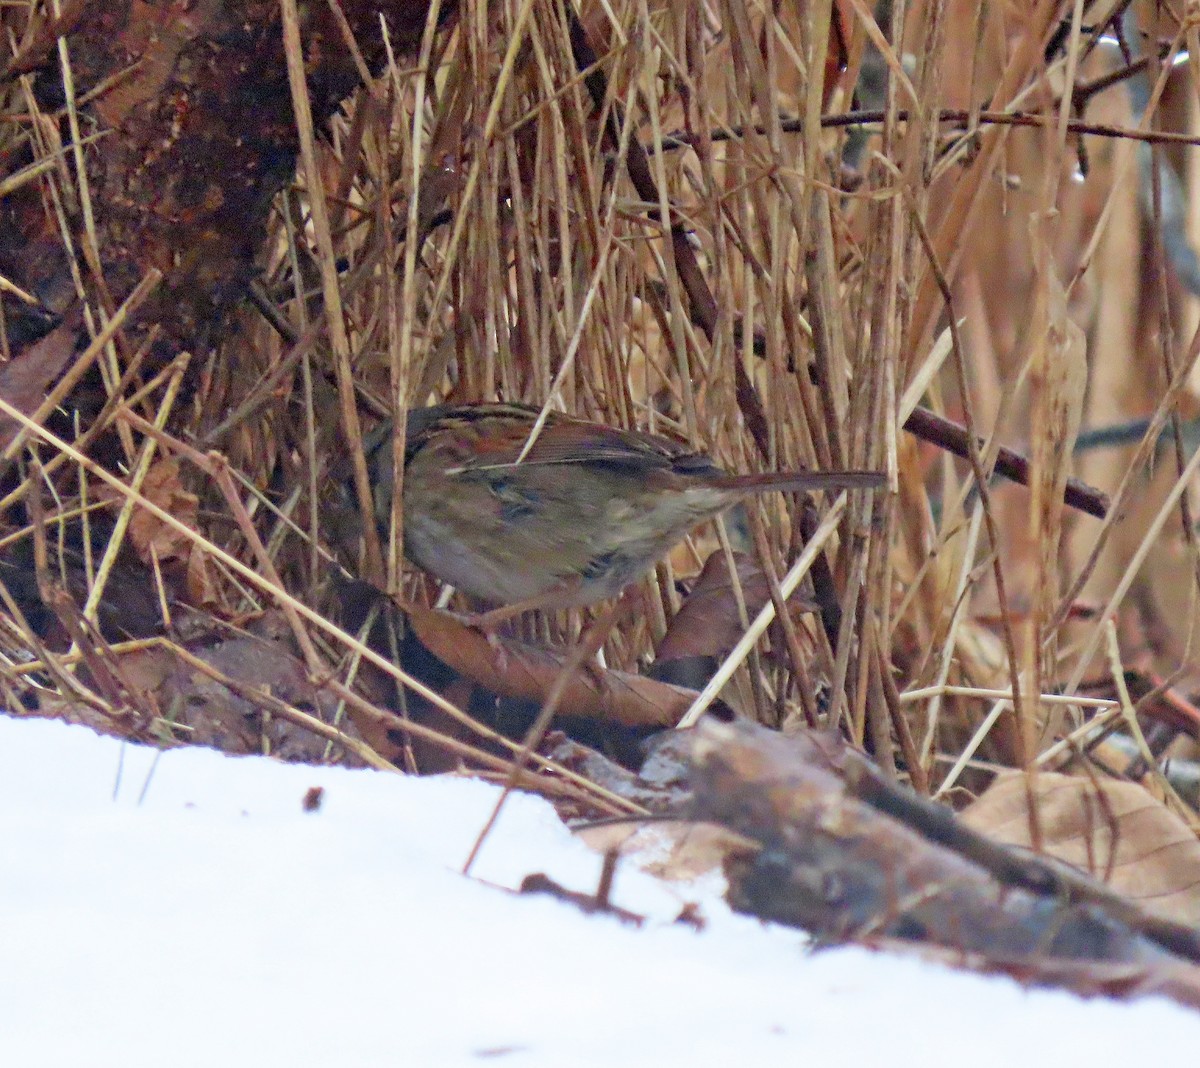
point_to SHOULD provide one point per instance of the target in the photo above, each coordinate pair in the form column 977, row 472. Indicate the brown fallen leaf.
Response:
column 201, row 590
column 148, row 534
column 199, row 710
column 513, row 669
column 25, row 379
column 1115, row 831
column 675, row 850
column 708, row 624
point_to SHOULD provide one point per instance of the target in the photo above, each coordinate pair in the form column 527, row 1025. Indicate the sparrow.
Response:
column 574, row 518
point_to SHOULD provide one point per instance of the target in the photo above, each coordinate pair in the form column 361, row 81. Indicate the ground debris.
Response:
column 851, row 858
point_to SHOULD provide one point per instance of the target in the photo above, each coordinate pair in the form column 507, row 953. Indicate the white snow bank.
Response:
column 215, row 923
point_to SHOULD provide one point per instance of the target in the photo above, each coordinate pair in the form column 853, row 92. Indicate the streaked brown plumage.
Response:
column 585, row 512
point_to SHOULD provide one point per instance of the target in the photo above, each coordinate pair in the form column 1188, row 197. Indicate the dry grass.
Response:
column 705, row 247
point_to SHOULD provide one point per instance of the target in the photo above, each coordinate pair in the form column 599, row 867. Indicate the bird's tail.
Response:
column 802, row 481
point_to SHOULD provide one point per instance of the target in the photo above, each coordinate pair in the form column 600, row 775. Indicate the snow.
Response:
column 213, row 922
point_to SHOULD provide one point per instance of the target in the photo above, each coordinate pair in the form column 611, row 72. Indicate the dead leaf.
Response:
column 676, row 850
column 709, row 624
column 513, row 669
column 198, row 709
column 1146, row 852
column 25, row 379
column 149, row 534
column 201, row 590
